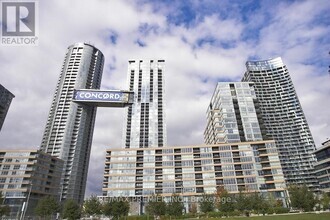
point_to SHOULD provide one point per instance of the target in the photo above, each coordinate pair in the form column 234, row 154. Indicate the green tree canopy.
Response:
column 47, row 206
column 301, row 198
column 92, row 206
column 225, row 202
column 325, row 201
column 259, row 203
column 243, row 203
column 116, row 207
column 156, row 206
column 71, row 210
column 207, row 203
column 175, row 205
column 4, row 209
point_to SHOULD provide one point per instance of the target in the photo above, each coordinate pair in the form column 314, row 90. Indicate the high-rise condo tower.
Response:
column 283, row 118
column 145, row 118
column 69, row 129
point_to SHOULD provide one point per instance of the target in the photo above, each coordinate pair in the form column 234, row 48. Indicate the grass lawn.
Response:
column 308, row 216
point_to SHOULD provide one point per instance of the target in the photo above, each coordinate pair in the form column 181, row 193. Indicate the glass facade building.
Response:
column 145, row 118
column 5, row 100
column 25, row 177
column 284, row 119
column 69, row 128
column 192, row 171
column 322, row 167
column 237, row 156
column 145, row 128
column 233, row 114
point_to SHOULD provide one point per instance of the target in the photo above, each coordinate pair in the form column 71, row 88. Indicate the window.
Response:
column 229, row 181
column 6, row 167
column 12, row 186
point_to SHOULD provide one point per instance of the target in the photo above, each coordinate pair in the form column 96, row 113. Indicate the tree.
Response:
column 175, row 206
column 116, row 207
column 207, row 203
column 156, row 206
column 92, row 206
column 193, row 209
column 71, row 210
column 301, row 198
column 325, row 201
column 224, row 201
column 47, row 206
column 295, row 196
column 243, row 203
column 258, row 203
column 4, row 209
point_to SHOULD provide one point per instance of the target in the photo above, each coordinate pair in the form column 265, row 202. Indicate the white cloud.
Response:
column 31, row 73
column 211, row 27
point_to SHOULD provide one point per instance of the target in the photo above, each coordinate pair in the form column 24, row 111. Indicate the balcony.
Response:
column 199, row 182
column 218, row 174
column 217, row 161
column 199, row 190
column 196, row 150
column 197, row 163
column 177, row 157
column 219, row 182
column 159, row 191
column 178, row 176
column 159, row 184
column 177, row 150
column 178, row 184
column 239, row 173
column 178, row 170
column 199, row 176
column 178, row 164
column 217, row 168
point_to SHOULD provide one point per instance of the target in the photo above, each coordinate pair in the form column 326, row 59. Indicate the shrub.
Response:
column 270, row 211
column 138, row 217
column 189, row 215
column 215, row 214
column 234, row 213
column 281, row 210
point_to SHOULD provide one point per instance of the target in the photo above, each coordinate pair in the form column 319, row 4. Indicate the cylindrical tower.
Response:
column 69, row 129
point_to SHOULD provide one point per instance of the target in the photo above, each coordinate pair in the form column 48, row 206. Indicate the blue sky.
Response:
column 202, row 42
